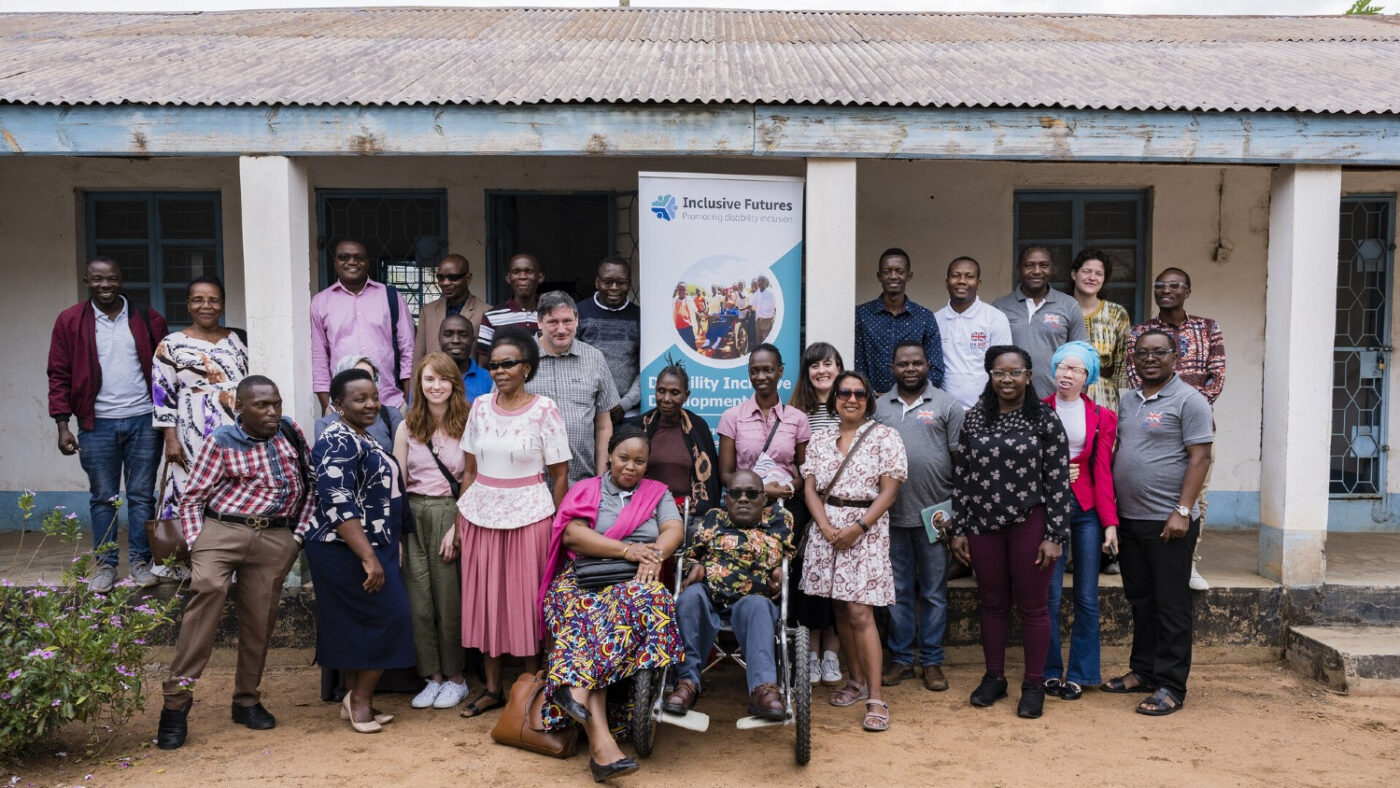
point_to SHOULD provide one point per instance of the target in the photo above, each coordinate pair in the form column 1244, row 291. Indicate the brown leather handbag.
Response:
column 521, row 723
column 165, row 535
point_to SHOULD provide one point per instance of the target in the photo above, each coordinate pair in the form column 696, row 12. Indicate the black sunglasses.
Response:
column 745, row 494
column 859, row 394
column 510, row 363
column 451, row 277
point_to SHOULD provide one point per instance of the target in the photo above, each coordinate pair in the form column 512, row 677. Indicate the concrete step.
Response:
column 1356, row 660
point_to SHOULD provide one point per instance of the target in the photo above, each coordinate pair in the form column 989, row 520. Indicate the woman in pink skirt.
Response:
column 517, row 472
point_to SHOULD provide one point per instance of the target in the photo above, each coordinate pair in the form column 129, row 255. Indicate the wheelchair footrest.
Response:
column 692, row 720
column 749, row 723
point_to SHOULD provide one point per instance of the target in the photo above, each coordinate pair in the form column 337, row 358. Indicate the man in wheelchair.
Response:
column 735, row 575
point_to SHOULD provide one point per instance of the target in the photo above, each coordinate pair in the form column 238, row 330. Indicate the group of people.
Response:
column 724, row 322
column 486, row 480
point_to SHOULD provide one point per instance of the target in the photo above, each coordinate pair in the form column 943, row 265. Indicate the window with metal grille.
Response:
column 161, row 240
column 404, row 231
column 1066, row 222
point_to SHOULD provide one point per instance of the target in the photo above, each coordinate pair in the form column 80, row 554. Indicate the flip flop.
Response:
column 473, row 710
column 1120, row 686
column 1160, row 703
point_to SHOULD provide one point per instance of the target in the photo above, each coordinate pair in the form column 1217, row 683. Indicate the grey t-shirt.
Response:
column 930, row 431
column 1153, row 434
column 1058, row 320
column 610, row 506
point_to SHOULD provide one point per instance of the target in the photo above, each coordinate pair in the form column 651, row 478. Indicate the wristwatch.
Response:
column 1184, row 511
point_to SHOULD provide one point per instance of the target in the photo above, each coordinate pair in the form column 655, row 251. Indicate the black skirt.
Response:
column 812, row 612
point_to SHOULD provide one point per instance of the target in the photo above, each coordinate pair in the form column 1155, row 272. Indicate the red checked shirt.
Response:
column 238, row 474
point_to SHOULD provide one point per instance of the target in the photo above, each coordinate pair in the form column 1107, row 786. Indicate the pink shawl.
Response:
column 581, row 503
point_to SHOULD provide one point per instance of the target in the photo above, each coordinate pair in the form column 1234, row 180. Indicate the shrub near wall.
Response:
column 68, row 654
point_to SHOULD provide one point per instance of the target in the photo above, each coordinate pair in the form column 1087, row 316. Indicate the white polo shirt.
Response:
column 966, row 338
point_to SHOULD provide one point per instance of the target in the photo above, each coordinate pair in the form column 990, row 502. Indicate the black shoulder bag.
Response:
column 452, row 482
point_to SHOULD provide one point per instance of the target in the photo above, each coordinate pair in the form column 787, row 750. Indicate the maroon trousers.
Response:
column 1006, row 571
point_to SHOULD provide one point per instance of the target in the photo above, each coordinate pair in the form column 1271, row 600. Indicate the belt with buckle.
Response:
column 258, row 521
column 834, row 501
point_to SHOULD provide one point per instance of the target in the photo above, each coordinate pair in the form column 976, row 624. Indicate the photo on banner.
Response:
column 720, row 273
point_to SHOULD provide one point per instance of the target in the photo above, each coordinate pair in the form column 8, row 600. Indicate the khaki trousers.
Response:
column 434, row 588
column 262, row 558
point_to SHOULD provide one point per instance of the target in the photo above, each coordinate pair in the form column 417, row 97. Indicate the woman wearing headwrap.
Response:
column 1091, row 430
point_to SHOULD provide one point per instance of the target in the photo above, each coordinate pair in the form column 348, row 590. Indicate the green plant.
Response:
column 1364, row 8
column 66, row 653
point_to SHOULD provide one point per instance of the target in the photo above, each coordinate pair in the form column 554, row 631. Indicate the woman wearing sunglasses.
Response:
column 1012, row 500
column 516, row 474
column 853, row 473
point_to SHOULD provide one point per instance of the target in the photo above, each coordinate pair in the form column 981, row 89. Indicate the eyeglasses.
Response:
column 859, row 394
column 510, row 363
column 1009, row 374
column 1174, row 285
column 745, row 494
column 345, row 258
column 1071, row 368
column 441, row 277
column 1158, row 354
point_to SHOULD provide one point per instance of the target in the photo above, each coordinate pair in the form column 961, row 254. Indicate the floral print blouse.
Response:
column 738, row 560
column 1007, row 466
column 355, row 480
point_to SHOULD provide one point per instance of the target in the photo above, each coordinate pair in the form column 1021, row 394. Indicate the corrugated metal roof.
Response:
column 530, row 56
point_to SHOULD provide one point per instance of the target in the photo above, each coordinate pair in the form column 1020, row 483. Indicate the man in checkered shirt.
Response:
column 248, row 500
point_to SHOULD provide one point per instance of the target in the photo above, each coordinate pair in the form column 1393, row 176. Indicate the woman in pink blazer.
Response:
column 1091, row 431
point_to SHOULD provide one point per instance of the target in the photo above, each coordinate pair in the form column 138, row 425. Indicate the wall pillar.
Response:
column 277, row 278
column 830, row 275
column 1300, row 314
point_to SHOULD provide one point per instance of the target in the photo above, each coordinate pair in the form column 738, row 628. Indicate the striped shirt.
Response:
column 236, row 473
column 581, row 385
column 508, row 314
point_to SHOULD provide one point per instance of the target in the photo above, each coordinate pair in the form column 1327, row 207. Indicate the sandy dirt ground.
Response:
column 1246, row 725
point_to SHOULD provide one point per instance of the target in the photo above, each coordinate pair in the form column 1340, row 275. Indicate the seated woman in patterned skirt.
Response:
column 603, row 634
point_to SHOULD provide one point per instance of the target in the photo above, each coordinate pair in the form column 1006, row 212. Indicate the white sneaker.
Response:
column 451, row 694
column 429, row 694
column 831, row 669
column 814, row 669
column 1197, row 582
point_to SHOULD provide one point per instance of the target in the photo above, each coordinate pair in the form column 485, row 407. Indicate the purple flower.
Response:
column 5, row 696
column 56, row 703
column 140, row 641
column 71, row 516
column 5, row 581
column 125, row 671
column 14, row 674
column 42, row 653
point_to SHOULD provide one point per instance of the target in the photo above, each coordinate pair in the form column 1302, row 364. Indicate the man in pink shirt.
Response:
column 356, row 315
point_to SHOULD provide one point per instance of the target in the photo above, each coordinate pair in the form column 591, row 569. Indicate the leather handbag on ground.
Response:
column 165, row 535
column 522, row 721
column 592, row 574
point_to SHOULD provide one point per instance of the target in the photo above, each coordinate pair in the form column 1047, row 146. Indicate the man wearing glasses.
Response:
column 1200, row 362
column 454, row 280
column 359, row 316
column 734, row 575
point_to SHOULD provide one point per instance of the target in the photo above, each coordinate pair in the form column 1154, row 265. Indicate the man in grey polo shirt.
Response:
column 576, row 376
column 928, row 420
column 1165, row 434
column 1041, row 319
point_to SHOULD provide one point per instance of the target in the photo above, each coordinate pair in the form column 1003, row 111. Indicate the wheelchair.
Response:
column 792, row 647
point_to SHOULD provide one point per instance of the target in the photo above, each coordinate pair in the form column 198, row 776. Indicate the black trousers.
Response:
column 1156, row 581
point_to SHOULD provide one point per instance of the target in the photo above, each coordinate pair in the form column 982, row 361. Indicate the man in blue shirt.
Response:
column 892, row 318
column 457, row 338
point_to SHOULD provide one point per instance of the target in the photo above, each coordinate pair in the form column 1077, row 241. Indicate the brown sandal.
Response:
column 475, row 710
column 877, row 716
column 849, row 694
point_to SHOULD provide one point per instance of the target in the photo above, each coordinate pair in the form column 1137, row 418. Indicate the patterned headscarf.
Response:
column 1084, row 352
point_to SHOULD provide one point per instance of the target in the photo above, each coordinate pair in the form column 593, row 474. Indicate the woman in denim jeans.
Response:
column 1091, row 430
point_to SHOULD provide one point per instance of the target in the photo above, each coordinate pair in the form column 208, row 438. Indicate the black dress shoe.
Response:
column 565, row 700
column 619, row 767
column 1032, row 700
column 991, row 688
column 254, row 716
column 174, row 725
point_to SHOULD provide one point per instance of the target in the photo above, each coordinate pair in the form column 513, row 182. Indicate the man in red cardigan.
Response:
column 100, row 371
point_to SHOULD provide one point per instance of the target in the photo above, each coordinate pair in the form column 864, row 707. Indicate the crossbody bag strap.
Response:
column 294, row 437
column 452, row 483
column 825, row 493
column 777, row 422
column 392, row 293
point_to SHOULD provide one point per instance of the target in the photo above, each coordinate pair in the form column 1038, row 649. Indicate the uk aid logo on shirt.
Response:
column 1153, row 420
column 1053, row 320
column 926, row 417
column 978, row 340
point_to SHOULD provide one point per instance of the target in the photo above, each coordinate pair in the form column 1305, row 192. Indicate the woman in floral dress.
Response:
column 848, row 545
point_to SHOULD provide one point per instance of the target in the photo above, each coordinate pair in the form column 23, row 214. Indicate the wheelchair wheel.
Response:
column 642, row 726
column 741, row 339
column 802, row 693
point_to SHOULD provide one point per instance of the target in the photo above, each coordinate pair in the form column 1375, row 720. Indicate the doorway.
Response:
column 1365, row 260
column 568, row 233
column 403, row 230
